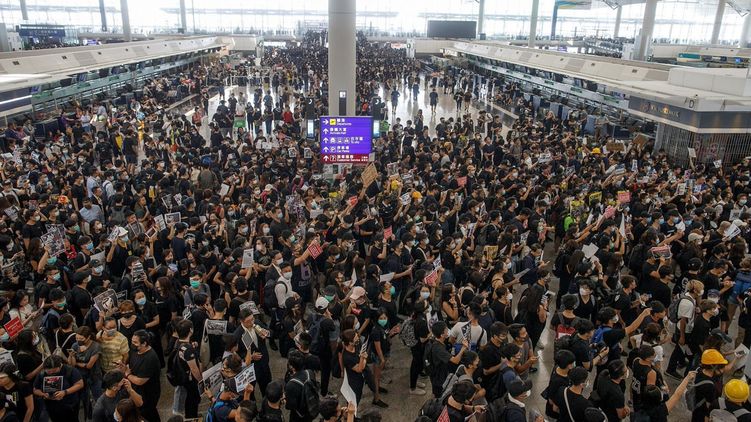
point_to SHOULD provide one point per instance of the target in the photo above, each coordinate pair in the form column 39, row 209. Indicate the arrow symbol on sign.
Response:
column 325, row 139
column 325, row 131
column 325, row 158
column 325, row 149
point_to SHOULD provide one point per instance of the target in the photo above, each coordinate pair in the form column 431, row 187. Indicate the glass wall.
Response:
column 677, row 20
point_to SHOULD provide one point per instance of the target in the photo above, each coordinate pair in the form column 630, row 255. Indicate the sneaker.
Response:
column 417, row 392
column 420, row 384
column 380, row 403
column 674, row 374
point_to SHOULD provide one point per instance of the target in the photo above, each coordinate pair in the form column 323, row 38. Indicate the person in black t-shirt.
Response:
column 570, row 400
column 144, row 371
column 354, row 362
column 418, row 350
column 459, row 403
column 564, row 362
column 702, row 327
column 611, row 388
column 490, row 357
column 15, row 391
column 271, row 407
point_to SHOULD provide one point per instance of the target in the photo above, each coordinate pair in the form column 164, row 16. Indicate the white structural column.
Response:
column 617, row 28
column 24, row 10
column 745, row 37
column 183, row 17
column 126, row 20
column 718, row 21
column 480, row 17
column 647, row 27
column 342, row 55
column 533, row 23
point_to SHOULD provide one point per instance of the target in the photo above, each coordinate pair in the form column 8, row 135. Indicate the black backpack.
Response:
column 269, row 295
column 427, row 358
column 314, row 329
column 178, row 372
column 309, row 404
column 432, row 409
column 499, row 389
column 559, row 267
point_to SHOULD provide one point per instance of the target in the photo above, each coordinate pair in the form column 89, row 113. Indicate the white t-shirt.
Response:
column 686, row 310
column 283, row 291
column 475, row 333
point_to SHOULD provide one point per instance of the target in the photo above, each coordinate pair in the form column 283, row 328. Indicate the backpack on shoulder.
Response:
column 178, row 373
column 310, row 405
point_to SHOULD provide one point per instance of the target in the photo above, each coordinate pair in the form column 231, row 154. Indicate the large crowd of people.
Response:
column 135, row 250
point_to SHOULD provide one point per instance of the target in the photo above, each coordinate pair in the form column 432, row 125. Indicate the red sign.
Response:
column 345, row 158
column 431, row 278
column 624, row 197
column 462, row 181
column 352, row 201
column 387, row 233
column 13, row 327
column 314, row 249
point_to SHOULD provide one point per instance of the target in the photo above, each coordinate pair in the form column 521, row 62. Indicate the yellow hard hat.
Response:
column 736, row 391
column 416, row 195
column 713, row 357
column 596, row 150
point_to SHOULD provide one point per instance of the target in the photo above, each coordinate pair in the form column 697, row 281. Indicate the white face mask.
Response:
column 584, row 292
column 615, row 319
column 510, row 296
column 288, row 275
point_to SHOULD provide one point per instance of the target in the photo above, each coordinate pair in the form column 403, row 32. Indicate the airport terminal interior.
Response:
column 375, row 210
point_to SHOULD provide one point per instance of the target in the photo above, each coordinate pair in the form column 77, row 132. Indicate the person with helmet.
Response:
column 707, row 393
column 736, row 397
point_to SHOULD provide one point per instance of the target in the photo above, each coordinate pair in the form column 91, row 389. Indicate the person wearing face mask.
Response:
column 610, row 334
column 195, row 288
column 128, row 411
column 118, row 253
column 32, row 228
column 85, row 357
column 51, row 320
column 273, row 403
column 184, row 355
column 387, row 303
column 491, row 358
column 116, row 389
column 115, row 347
column 570, row 400
column 611, row 391
column 380, row 350
column 80, row 298
column 708, row 384
column 686, row 314
column 501, row 305
column 708, row 309
column 143, row 371
column 332, row 412
column 62, row 404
